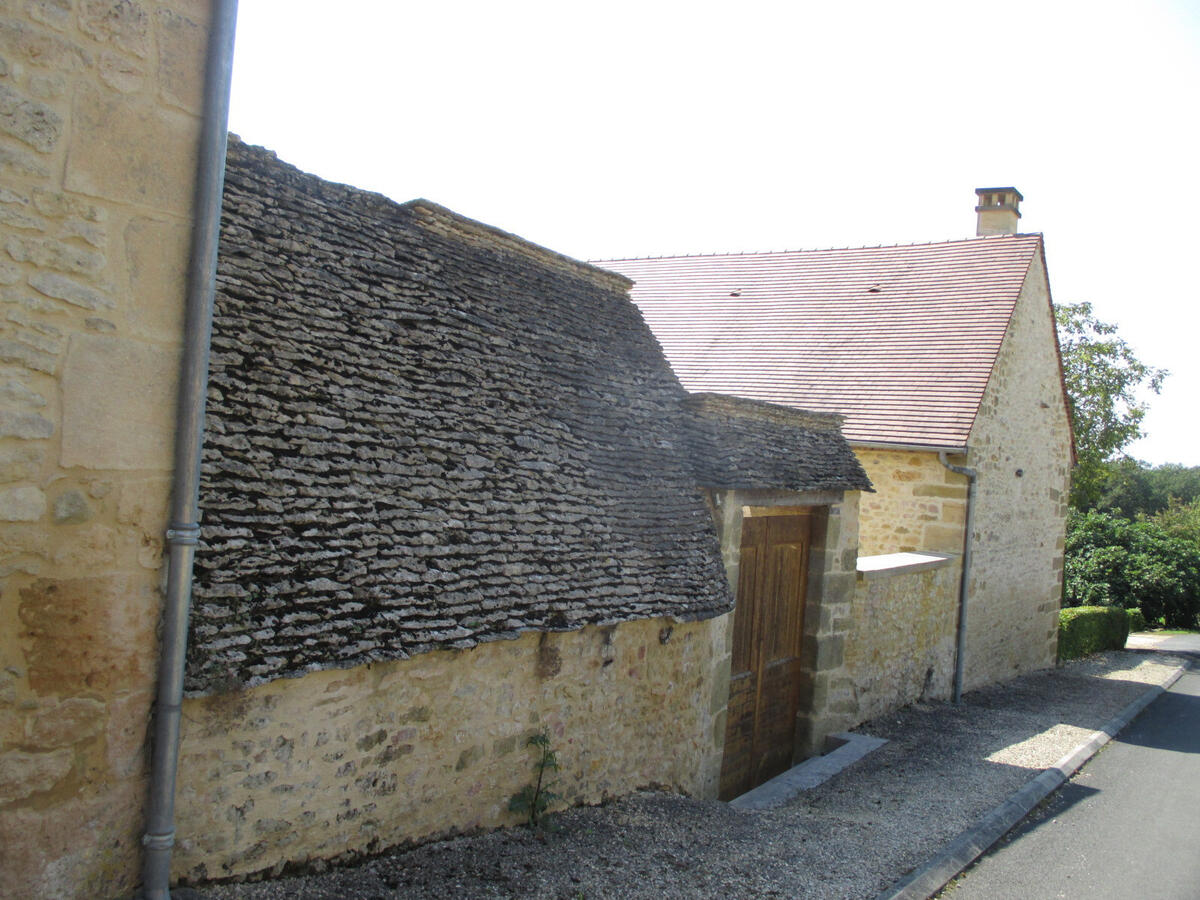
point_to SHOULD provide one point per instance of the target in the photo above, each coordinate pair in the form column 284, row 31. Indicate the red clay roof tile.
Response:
column 901, row 340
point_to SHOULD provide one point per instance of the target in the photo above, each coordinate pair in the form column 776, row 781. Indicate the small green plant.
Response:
column 533, row 800
column 1137, row 621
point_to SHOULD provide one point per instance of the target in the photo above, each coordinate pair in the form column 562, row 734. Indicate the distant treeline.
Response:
column 1136, row 489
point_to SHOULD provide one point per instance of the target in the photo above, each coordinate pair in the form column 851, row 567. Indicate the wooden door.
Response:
column 768, row 624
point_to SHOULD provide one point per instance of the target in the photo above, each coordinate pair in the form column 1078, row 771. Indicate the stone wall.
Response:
column 99, row 121
column 827, row 701
column 918, row 503
column 900, row 648
column 345, row 762
column 902, row 645
column 1020, row 445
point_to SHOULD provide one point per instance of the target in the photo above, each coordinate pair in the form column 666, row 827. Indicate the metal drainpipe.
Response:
column 964, row 584
column 184, row 530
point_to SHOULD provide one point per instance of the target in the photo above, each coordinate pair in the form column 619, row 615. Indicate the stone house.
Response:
column 942, row 357
column 452, row 494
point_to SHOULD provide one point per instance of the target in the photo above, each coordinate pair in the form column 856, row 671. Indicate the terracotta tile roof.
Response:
column 900, row 340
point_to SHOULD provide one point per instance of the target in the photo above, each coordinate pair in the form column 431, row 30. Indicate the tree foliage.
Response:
column 1103, row 377
column 1136, row 489
column 1113, row 561
column 1181, row 520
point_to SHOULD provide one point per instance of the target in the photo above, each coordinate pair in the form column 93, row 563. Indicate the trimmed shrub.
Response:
column 1090, row 629
column 1137, row 621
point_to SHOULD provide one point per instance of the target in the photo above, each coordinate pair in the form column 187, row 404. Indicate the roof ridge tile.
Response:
column 793, row 250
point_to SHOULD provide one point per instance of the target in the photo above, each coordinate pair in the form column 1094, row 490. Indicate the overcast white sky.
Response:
column 648, row 128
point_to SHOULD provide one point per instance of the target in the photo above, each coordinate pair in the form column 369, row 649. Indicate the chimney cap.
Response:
column 999, row 210
column 998, row 190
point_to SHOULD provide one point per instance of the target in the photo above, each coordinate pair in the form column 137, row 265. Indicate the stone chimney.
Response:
column 999, row 209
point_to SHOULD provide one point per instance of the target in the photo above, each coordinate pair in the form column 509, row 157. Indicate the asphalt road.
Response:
column 1126, row 826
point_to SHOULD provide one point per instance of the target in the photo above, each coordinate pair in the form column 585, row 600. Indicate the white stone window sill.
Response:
column 900, row 563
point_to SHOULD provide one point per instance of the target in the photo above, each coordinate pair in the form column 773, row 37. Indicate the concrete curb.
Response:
column 930, row 878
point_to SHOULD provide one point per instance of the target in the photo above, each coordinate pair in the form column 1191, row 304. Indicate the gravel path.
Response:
column 852, row 837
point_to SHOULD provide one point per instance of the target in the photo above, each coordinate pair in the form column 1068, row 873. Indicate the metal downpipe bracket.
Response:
column 184, row 532
column 964, row 585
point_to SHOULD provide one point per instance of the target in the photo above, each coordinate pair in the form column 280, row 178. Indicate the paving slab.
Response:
column 1165, row 643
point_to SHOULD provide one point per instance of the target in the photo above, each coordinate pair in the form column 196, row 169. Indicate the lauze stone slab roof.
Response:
column 900, row 340
column 423, row 432
column 748, row 444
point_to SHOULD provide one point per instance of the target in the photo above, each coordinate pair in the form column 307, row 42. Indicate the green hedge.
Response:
column 1137, row 621
column 1089, row 629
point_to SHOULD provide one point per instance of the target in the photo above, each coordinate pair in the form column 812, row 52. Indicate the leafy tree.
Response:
column 1113, row 561
column 1103, row 376
column 1123, row 487
column 1173, row 482
column 1182, row 520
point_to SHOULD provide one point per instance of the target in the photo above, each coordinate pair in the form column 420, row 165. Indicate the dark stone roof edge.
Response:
column 224, row 687
column 764, row 409
column 736, row 445
column 326, row 189
column 836, row 485
column 347, row 193
column 514, row 242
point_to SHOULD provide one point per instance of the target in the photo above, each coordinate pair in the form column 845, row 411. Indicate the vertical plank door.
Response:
column 768, row 624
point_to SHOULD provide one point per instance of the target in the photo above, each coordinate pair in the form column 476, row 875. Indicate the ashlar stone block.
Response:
column 125, row 149
column 118, row 404
column 181, row 51
column 157, row 253
column 89, row 634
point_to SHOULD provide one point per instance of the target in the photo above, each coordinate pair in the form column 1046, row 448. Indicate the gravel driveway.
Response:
column 852, row 837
